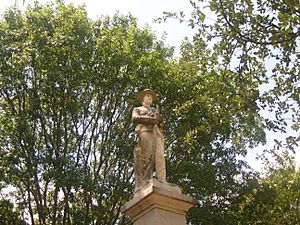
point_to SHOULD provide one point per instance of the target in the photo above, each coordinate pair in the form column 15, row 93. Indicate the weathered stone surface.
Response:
column 149, row 150
column 155, row 202
column 158, row 203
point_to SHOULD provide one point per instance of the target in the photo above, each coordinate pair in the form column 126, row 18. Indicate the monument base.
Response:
column 158, row 203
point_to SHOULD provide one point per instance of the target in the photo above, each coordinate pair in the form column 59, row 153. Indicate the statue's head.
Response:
column 146, row 95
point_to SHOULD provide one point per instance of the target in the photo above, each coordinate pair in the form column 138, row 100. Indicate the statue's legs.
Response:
column 138, row 166
column 146, row 159
column 160, row 163
column 146, row 143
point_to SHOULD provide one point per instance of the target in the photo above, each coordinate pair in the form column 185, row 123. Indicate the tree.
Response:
column 66, row 97
column 216, row 120
column 7, row 214
column 259, row 39
column 67, row 93
column 266, row 30
column 274, row 199
column 247, row 53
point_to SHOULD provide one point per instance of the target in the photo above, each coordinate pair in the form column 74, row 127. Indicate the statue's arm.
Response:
column 135, row 115
column 139, row 119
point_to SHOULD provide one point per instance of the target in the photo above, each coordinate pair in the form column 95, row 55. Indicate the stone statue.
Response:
column 149, row 150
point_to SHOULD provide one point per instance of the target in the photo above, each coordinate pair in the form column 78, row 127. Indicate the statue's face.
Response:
column 148, row 99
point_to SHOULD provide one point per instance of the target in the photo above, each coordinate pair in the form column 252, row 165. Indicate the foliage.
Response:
column 265, row 31
column 217, row 119
column 66, row 97
column 245, row 59
column 7, row 214
column 275, row 198
column 260, row 39
column 67, row 93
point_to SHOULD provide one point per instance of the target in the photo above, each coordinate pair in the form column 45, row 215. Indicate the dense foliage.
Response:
column 66, row 98
column 274, row 199
column 260, row 39
column 8, row 215
column 68, row 86
column 257, row 44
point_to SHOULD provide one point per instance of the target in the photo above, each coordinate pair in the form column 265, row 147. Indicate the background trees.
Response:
column 274, row 199
column 259, row 37
column 66, row 98
column 68, row 86
column 258, row 40
column 8, row 215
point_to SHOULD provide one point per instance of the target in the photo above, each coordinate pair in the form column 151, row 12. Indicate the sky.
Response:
column 146, row 11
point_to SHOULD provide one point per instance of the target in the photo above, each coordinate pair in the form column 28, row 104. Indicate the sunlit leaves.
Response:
column 66, row 98
column 274, row 199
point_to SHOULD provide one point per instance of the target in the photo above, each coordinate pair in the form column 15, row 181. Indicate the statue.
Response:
column 149, row 150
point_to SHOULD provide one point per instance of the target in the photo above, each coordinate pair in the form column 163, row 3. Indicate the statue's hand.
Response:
column 146, row 120
column 152, row 120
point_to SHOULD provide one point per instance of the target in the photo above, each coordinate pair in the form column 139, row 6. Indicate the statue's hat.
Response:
column 141, row 95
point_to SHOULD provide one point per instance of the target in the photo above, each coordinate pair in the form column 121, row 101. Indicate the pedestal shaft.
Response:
column 158, row 204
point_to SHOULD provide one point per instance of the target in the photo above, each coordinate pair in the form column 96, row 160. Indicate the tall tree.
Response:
column 259, row 38
column 216, row 120
column 66, row 96
column 245, row 59
column 67, row 93
column 275, row 198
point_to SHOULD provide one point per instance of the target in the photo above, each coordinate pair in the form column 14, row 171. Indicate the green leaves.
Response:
column 275, row 197
column 66, row 99
column 67, row 90
column 261, row 39
column 242, row 60
column 8, row 215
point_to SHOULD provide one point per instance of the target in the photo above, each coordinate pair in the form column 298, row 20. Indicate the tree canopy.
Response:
column 67, row 92
column 273, row 199
column 68, row 88
column 259, row 38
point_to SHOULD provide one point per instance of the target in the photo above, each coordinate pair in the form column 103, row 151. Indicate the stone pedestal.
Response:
column 158, row 204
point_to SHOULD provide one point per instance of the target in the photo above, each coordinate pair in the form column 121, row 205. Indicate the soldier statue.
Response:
column 149, row 150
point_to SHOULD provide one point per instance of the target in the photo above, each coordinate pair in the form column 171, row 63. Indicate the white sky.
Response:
column 146, row 11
